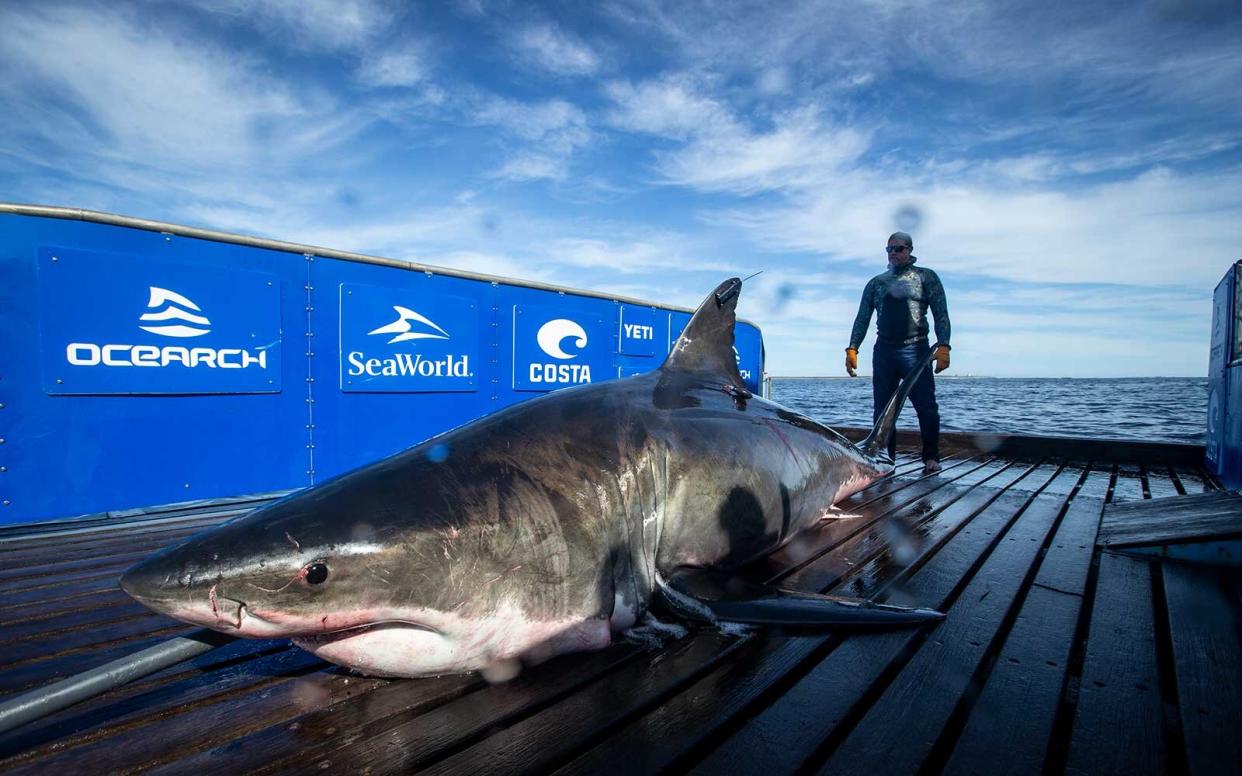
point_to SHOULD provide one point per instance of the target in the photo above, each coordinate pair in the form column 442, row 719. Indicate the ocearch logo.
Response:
column 551, row 338
column 408, row 364
column 169, row 306
column 162, row 296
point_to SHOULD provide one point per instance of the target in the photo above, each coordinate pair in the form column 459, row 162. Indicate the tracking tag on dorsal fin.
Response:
column 706, row 344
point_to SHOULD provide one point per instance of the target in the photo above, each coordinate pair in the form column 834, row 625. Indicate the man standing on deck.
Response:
column 900, row 297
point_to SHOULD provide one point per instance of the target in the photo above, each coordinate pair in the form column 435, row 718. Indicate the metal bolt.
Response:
column 55, row 258
column 310, row 379
column 4, row 468
column 6, row 502
column 1, row 440
column 269, row 282
column 1, row 405
column 309, row 354
column 187, row 484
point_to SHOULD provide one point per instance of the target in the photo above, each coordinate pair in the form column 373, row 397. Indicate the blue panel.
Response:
column 74, row 454
column 118, row 324
column 398, row 342
column 556, row 347
column 748, row 348
column 1217, row 373
column 638, row 331
column 279, row 369
column 676, row 323
column 357, row 424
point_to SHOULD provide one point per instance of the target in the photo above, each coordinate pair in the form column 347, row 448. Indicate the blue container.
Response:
column 144, row 363
column 1224, row 417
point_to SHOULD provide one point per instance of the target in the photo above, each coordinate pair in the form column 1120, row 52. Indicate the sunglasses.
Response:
column 896, row 248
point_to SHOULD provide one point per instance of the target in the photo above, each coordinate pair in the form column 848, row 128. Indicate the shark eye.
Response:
column 316, row 573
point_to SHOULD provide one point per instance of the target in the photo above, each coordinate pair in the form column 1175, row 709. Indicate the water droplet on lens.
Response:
column 438, row 453
column 908, row 217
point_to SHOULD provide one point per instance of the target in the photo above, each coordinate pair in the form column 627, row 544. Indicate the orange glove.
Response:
column 851, row 361
column 941, row 354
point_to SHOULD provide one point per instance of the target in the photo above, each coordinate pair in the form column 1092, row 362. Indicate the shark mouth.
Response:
column 313, row 641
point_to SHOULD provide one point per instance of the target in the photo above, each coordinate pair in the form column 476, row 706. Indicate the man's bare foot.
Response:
column 931, row 466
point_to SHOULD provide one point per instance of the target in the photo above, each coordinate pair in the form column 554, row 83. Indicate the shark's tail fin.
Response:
column 876, row 443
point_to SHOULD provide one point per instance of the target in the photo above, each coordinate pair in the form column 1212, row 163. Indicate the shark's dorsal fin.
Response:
column 706, row 344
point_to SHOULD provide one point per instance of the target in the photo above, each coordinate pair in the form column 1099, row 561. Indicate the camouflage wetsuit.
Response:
column 901, row 298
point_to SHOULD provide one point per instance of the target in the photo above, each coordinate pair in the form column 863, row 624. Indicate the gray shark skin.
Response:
column 544, row 528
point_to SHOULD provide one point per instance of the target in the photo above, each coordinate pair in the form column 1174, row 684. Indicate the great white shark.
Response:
column 547, row 527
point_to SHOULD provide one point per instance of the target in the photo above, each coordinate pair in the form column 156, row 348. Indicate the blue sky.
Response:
column 1072, row 170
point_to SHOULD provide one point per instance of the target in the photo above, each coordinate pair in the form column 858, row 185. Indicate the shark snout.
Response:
column 178, row 591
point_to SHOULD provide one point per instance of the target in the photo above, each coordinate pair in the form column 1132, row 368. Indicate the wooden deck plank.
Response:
column 668, row 736
column 157, row 701
column 857, row 515
column 878, row 536
column 101, row 547
column 393, row 730
column 83, row 536
column 85, row 639
column 554, row 735
column 175, row 686
column 42, row 610
column 210, row 721
column 1118, row 724
column 33, row 673
column 1172, row 520
column 781, row 736
column 42, row 628
column 1129, row 486
column 1205, row 626
column 902, row 726
column 1161, row 483
column 1016, row 707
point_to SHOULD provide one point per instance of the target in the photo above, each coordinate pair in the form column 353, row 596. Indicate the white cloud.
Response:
column 138, row 92
column 337, row 25
column 549, row 133
column 402, row 67
column 720, row 152
column 672, row 107
column 550, row 48
column 800, row 150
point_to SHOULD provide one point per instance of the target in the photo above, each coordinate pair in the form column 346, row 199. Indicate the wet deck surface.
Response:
column 1056, row 655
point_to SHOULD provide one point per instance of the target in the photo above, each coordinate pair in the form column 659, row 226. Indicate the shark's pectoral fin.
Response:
column 706, row 594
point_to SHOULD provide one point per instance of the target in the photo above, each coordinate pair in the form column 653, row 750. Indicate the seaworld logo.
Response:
column 408, row 364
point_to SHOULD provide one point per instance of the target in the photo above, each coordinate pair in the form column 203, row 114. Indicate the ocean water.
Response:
column 1156, row 409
